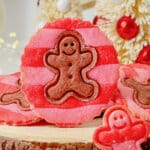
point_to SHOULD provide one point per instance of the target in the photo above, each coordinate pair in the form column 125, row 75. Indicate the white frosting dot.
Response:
column 63, row 5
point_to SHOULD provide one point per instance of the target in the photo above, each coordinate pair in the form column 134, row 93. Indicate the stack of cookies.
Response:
column 69, row 75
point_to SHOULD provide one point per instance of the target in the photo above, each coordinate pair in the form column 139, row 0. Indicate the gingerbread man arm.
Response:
column 85, row 59
column 51, row 60
column 138, row 131
column 104, row 136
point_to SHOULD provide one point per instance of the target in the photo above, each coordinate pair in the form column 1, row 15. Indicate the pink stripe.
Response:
column 105, row 74
column 36, row 75
column 74, row 115
column 14, row 108
column 140, row 72
column 143, row 74
column 9, row 80
column 48, row 37
column 92, row 36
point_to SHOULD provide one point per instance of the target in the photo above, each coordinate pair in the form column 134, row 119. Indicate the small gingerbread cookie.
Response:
column 69, row 67
column 134, row 86
column 16, row 96
column 141, row 91
column 14, row 107
column 120, row 130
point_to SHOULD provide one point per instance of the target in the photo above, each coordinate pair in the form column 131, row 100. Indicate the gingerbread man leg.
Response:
column 17, row 97
column 85, row 90
column 55, row 93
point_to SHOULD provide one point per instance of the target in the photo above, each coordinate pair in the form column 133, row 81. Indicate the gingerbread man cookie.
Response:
column 15, row 97
column 134, row 87
column 70, row 60
column 120, row 130
column 68, row 68
column 14, row 106
column 141, row 91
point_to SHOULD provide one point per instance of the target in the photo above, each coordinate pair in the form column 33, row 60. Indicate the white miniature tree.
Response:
column 127, row 24
column 55, row 9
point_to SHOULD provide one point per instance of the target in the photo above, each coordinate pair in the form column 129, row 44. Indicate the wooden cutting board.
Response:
column 48, row 137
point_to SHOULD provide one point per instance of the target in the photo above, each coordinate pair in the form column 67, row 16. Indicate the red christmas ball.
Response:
column 144, row 56
column 127, row 27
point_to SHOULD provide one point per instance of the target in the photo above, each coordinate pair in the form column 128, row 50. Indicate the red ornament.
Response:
column 144, row 56
column 127, row 27
column 95, row 20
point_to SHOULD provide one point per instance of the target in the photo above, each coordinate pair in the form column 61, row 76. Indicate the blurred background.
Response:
column 18, row 21
column 19, row 16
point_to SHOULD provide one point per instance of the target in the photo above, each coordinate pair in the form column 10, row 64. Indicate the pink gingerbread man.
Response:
column 120, row 132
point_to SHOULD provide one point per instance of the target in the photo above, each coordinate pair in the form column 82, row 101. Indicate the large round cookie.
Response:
column 69, row 72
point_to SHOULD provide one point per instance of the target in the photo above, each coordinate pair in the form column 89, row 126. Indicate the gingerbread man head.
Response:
column 70, row 43
column 119, row 119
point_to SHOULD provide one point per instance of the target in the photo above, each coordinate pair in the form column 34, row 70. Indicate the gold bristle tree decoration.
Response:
column 56, row 9
column 136, row 11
